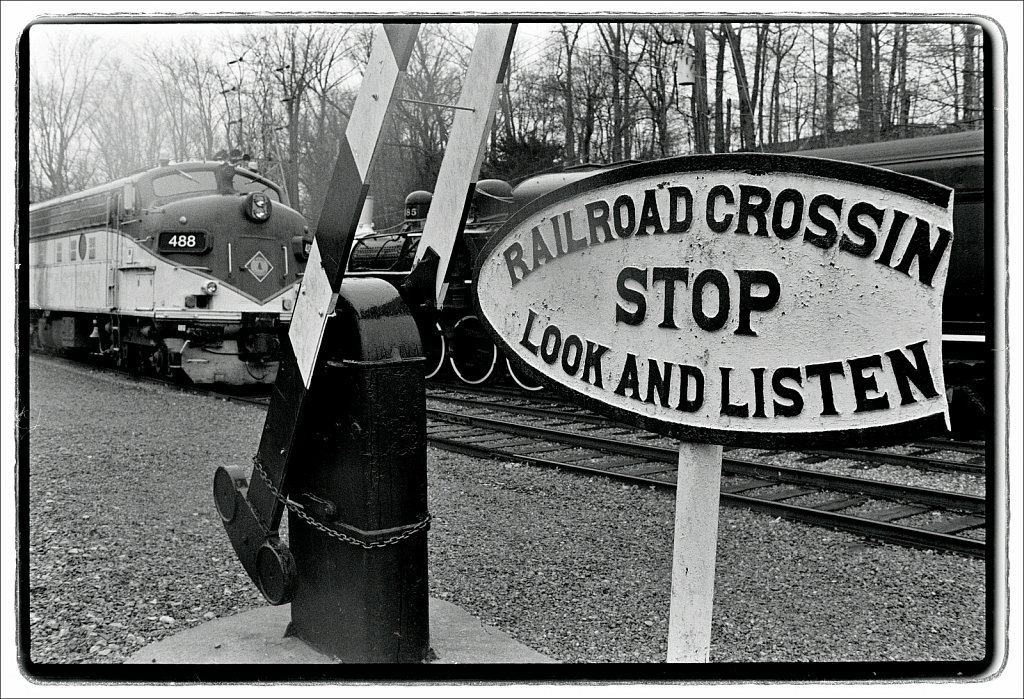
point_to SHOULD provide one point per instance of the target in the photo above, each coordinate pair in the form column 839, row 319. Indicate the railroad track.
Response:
column 870, row 508
column 570, row 440
column 921, row 457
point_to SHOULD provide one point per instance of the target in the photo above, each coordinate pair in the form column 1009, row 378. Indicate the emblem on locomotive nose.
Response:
column 259, row 266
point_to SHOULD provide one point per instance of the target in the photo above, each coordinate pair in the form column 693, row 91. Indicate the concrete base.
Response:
column 257, row 637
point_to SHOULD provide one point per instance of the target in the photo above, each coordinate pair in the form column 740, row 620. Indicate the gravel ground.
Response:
column 125, row 547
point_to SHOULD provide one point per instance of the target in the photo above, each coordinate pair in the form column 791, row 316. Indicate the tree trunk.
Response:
column 720, row 137
column 867, row 115
column 901, row 89
column 972, row 101
column 876, row 67
column 757, row 90
column 956, row 79
column 746, row 112
column 776, row 105
column 889, row 108
column 569, row 114
column 700, row 91
column 728, row 124
column 611, row 34
column 814, row 86
column 830, row 84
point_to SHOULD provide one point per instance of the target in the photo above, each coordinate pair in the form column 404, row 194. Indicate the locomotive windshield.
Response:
column 181, row 182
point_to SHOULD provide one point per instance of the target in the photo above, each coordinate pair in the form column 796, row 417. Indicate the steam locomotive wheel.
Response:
column 474, row 357
column 436, row 350
column 520, row 378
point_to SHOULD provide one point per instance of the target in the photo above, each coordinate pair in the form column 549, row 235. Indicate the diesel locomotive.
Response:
column 189, row 268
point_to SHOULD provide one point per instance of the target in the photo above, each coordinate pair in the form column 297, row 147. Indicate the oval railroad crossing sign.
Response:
column 744, row 299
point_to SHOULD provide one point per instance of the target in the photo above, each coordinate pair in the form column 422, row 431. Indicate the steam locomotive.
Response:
column 188, row 268
column 456, row 342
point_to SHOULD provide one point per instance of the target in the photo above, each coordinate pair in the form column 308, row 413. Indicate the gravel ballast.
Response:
column 126, row 547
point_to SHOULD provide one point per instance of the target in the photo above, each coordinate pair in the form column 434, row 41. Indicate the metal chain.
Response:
column 301, row 513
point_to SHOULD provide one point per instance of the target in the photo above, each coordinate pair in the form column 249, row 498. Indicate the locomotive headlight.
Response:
column 210, row 287
column 287, row 304
column 257, row 207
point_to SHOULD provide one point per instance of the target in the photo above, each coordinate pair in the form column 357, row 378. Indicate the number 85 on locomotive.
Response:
column 189, row 268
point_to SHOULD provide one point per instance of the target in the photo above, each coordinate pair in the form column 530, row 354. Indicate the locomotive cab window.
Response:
column 181, row 182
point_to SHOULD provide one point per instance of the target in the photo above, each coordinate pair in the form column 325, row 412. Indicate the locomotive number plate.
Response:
column 744, row 299
column 192, row 241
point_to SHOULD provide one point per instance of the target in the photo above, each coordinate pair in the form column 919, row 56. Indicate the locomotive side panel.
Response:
column 71, row 272
column 136, row 290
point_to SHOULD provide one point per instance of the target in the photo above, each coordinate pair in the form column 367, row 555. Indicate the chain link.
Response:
column 301, row 513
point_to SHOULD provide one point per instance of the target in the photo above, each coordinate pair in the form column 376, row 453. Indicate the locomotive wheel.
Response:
column 435, row 347
column 133, row 361
column 520, row 378
column 159, row 361
column 473, row 356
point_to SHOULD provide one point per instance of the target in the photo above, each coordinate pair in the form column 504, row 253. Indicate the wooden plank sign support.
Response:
column 693, row 552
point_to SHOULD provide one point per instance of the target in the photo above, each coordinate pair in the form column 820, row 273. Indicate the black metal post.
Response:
column 360, row 538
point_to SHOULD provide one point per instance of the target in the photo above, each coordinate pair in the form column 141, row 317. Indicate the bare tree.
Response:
column 780, row 51
column 867, row 112
column 972, row 102
column 830, row 85
column 303, row 63
column 127, row 127
column 746, row 107
column 721, row 139
column 701, row 137
column 654, row 85
column 592, row 70
column 617, row 38
column 186, row 98
column 565, row 79
column 901, row 89
column 61, row 106
column 760, row 64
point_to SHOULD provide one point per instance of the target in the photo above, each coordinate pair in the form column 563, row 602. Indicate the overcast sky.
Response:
column 129, row 37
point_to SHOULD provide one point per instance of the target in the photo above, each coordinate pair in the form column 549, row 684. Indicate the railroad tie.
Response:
column 894, row 513
column 749, row 484
column 957, row 525
column 841, row 504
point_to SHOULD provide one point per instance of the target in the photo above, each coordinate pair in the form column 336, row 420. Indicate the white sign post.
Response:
column 693, row 553
column 744, row 299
